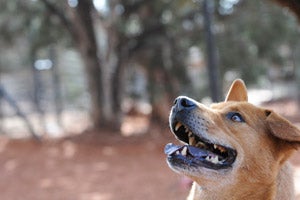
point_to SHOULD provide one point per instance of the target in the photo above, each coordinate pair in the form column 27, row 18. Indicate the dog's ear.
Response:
column 237, row 91
column 282, row 128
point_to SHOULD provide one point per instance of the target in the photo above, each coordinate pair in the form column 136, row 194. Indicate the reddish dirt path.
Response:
column 68, row 169
column 90, row 167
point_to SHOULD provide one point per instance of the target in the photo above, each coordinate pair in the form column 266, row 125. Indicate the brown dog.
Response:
column 233, row 150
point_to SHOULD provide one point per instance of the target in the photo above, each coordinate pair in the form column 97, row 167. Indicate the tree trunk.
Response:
column 213, row 70
column 86, row 42
column 105, row 111
column 161, row 84
column 104, row 88
column 118, row 88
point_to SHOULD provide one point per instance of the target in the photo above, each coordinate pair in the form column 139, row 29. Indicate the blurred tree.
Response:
column 79, row 23
column 257, row 40
column 155, row 35
column 108, row 41
column 212, row 61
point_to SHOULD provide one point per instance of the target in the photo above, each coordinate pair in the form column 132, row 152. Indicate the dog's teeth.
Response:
column 192, row 140
column 184, row 151
column 186, row 129
column 200, row 144
column 178, row 125
column 222, row 149
column 215, row 160
column 190, row 134
column 215, row 146
column 177, row 153
column 212, row 159
column 208, row 158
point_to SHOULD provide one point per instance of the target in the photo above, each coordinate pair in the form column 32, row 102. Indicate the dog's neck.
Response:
column 283, row 185
column 259, row 193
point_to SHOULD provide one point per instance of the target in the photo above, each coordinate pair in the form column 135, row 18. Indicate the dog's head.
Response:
column 229, row 141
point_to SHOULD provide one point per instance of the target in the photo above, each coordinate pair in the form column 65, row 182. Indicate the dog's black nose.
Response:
column 182, row 103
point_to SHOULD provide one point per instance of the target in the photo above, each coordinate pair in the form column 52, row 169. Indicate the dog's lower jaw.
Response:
column 283, row 185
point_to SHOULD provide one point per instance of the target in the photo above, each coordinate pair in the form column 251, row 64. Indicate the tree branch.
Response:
column 63, row 18
column 140, row 39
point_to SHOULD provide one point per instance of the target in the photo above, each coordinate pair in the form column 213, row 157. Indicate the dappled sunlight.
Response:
column 66, row 182
column 135, row 125
column 96, row 196
column 46, row 183
column 109, row 151
column 68, row 170
column 10, row 165
column 69, row 149
column 71, row 122
column 3, row 143
column 101, row 166
column 69, row 184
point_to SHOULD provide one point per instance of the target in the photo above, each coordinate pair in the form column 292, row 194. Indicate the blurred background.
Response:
column 86, row 87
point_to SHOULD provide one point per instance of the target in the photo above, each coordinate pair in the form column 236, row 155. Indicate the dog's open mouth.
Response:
column 197, row 152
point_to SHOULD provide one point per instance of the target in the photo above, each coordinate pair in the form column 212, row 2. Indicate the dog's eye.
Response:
column 234, row 116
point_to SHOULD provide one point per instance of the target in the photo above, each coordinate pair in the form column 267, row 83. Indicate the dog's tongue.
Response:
column 194, row 151
column 197, row 152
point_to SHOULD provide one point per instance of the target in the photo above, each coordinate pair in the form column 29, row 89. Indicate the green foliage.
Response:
column 251, row 35
column 250, row 39
column 29, row 20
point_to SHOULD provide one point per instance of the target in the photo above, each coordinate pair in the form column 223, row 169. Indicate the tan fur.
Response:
column 263, row 145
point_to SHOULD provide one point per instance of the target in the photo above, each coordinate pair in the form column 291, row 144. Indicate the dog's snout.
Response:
column 182, row 103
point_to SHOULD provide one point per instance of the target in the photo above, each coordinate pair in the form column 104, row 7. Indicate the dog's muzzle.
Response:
column 198, row 151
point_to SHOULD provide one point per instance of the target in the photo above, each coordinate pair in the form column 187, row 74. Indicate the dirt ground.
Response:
column 70, row 169
column 95, row 167
column 85, row 169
